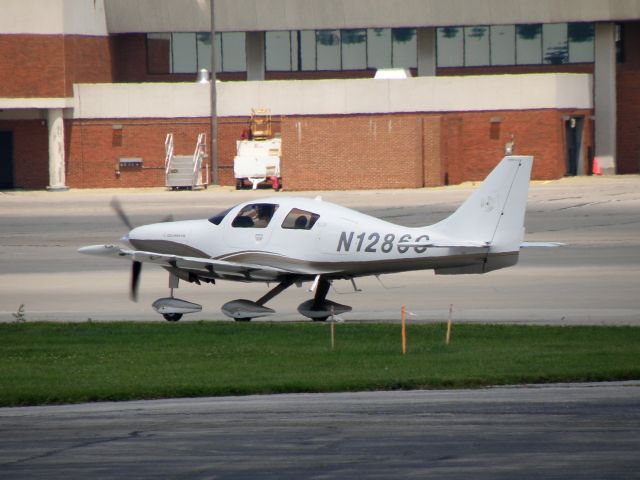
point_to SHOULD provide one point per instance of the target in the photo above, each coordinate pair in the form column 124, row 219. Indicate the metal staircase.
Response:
column 186, row 171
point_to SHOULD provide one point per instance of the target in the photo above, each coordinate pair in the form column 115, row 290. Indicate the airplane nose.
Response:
column 162, row 236
column 138, row 234
column 133, row 234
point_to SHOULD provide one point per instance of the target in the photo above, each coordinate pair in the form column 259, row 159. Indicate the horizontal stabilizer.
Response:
column 454, row 244
column 542, row 244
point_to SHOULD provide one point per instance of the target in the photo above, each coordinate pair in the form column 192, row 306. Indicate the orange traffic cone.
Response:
column 596, row 167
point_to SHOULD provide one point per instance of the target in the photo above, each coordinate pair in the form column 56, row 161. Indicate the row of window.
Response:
column 258, row 215
column 373, row 48
column 534, row 44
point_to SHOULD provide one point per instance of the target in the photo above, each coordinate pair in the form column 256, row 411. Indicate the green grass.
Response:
column 45, row 363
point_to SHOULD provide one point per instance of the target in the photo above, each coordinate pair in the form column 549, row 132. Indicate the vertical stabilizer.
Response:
column 494, row 214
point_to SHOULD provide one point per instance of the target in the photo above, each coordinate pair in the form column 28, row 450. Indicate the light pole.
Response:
column 213, row 98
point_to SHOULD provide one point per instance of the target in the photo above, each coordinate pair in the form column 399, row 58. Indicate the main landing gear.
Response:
column 318, row 308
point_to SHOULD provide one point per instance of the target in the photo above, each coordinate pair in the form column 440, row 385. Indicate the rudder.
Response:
column 494, row 214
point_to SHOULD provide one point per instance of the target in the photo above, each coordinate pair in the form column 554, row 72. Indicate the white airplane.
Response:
column 291, row 240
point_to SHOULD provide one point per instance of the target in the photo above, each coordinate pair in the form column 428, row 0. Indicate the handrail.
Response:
column 198, row 154
column 168, row 150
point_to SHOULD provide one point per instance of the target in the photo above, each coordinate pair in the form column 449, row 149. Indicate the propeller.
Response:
column 117, row 206
column 136, row 266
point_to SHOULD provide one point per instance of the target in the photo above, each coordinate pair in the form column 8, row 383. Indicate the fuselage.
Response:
column 306, row 237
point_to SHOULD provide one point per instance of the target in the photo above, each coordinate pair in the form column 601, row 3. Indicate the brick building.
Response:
column 87, row 83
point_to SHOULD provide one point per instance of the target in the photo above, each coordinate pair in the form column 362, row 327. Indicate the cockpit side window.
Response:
column 255, row 215
column 217, row 219
column 300, row 219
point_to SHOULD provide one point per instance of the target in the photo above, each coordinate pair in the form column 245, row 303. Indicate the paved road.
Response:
column 594, row 280
column 553, row 431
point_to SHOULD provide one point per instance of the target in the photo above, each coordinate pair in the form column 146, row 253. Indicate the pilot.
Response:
column 263, row 215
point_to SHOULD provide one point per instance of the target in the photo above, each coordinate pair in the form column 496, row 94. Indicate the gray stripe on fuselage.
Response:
column 371, row 267
column 168, row 247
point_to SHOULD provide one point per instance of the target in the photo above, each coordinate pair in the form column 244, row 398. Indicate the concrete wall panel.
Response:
column 155, row 100
column 52, row 17
column 340, row 97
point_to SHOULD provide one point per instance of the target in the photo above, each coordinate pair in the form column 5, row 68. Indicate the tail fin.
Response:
column 493, row 216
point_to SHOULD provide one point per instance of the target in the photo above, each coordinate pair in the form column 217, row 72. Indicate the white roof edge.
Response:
column 336, row 97
column 53, row 17
column 7, row 103
column 125, row 16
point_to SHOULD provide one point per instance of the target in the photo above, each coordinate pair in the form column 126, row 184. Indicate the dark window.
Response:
column 183, row 52
column 278, row 50
column 354, row 49
column 581, row 42
column 300, row 220
column 404, row 48
column 217, row 219
column 255, row 215
column 555, row 46
column 530, row 44
column 159, row 53
column 188, row 52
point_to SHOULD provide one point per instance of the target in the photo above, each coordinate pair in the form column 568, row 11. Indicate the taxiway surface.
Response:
column 546, row 431
column 593, row 280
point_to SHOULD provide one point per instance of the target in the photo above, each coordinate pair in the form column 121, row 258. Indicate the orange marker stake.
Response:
column 403, row 315
column 333, row 330
column 449, row 324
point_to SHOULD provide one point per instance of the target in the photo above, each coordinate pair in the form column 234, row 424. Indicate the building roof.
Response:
column 103, row 17
column 258, row 15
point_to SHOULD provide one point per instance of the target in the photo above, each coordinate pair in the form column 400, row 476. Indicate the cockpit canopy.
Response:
column 255, row 215
column 259, row 215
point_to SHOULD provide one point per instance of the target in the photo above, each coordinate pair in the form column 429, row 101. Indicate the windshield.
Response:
column 216, row 219
column 255, row 215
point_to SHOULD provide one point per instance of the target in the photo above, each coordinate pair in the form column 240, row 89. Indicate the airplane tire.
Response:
column 320, row 319
column 172, row 317
column 245, row 319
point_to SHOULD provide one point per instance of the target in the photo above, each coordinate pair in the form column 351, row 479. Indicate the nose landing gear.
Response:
column 172, row 308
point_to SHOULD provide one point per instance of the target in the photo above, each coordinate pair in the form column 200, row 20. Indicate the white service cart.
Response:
column 257, row 161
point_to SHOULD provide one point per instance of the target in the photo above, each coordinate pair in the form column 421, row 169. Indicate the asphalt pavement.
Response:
column 547, row 431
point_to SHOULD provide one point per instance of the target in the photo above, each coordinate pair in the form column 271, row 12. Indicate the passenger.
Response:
column 301, row 223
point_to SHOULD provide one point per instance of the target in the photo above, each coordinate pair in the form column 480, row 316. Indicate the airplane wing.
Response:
column 219, row 268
